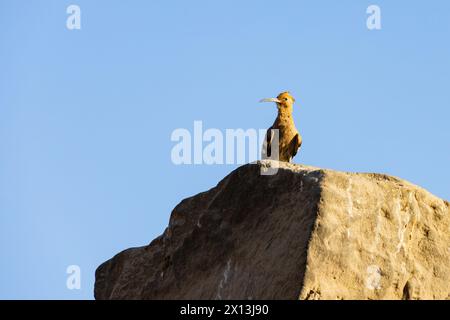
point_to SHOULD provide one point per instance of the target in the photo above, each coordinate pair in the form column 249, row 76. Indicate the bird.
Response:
column 289, row 139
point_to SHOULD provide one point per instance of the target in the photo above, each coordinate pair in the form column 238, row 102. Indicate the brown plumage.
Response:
column 289, row 138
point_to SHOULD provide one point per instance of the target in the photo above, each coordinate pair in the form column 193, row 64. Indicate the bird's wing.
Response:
column 267, row 145
column 296, row 143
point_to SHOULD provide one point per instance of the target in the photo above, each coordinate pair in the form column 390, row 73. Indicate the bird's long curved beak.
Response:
column 270, row 100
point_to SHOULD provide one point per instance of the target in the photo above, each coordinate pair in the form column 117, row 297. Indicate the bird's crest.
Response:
column 285, row 94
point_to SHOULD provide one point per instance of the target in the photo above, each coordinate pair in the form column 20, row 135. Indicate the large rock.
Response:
column 304, row 233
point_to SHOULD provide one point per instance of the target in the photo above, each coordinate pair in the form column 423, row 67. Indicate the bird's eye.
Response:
column 285, row 99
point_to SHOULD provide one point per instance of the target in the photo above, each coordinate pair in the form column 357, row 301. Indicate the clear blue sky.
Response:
column 86, row 115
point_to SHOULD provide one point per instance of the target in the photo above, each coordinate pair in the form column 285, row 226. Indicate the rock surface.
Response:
column 303, row 233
